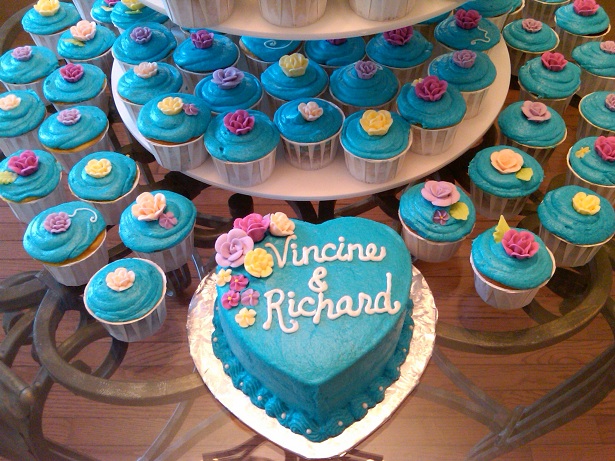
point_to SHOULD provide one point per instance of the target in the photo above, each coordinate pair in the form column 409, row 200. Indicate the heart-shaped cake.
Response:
column 312, row 321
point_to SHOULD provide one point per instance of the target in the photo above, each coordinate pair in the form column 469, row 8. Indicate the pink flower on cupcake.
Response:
column 365, row 69
column 69, row 117
column 22, row 53
column 399, row 37
column 238, row 282
column 585, row 7
column 141, row 35
column 72, row 72
column 605, row 147
column 467, row 19
column 230, row 299
column 531, row 25
column 464, row 58
column 519, row 244
column 535, row 111
column 57, row 223
column 431, row 88
column 555, row 62
column 24, row 164
column 231, row 248
column 608, row 46
column 440, row 193
column 239, row 122
column 609, row 102
column 254, row 225
column 228, row 78
column 202, row 39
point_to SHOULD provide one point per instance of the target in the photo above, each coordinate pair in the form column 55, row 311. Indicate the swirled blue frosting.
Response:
column 178, row 128
column 447, row 111
column 23, row 118
column 595, row 61
column 593, row 108
column 378, row 147
column 221, row 54
column 294, row 127
column 346, row 86
column 417, row 212
column 35, row 23
column 436, row 19
column 102, row 41
column 492, row 8
column 483, row 38
column 308, row 85
column 140, row 90
column 149, row 236
column 56, row 89
column 324, row 53
column 517, row 127
column 85, row 226
column 545, row 83
column 40, row 65
column 39, row 184
column 132, row 303
column 413, row 53
column 479, row 76
column 491, row 260
column 123, row 17
column 119, row 181
column 591, row 166
column 535, row 42
column 568, row 20
column 484, row 175
column 55, row 135
column 557, row 215
column 243, row 96
column 224, row 145
column 158, row 48
column 269, row 49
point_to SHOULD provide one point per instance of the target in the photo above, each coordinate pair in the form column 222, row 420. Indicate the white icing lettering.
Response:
column 281, row 260
column 277, row 305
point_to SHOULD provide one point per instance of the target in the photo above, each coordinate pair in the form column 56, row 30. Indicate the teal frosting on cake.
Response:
column 123, row 17
column 150, row 236
column 222, row 53
column 327, row 54
column 591, row 166
column 158, row 48
column 132, row 303
column 516, row 126
column 178, row 128
column 56, row 89
column 436, row 19
column 557, row 215
column 102, row 41
column 308, row 85
column 119, row 181
column 269, row 49
column 417, row 213
column 25, row 117
column 55, row 135
column 594, row 60
column 243, row 96
column 39, row 184
column 140, row 90
column 413, row 53
column 545, row 83
column 447, row 111
column 594, row 109
column 376, row 147
column 491, row 260
column 325, row 375
column 568, row 20
column 486, row 177
column 40, row 65
column 346, row 86
column 294, row 127
column 86, row 223
column 101, row 11
column 534, row 42
column 483, row 38
column 35, row 23
column 479, row 76
column 229, row 147
column 492, row 8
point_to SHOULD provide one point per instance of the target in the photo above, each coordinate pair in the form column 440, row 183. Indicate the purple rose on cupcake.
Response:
column 531, row 25
column 520, row 245
column 365, row 69
column 254, row 225
column 56, row 222
column 239, row 122
column 227, row 78
column 202, row 39
column 608, row 46
column 609, row 102
column 337, row 41
column 605, row 147
column 190, row 109
column 232, row 247
column 69, row 117
column 399, row 37
column 440, row 193
column 535, row 111
column 430, row 88
column 585, row 7
column 464, row 58
column 141, row 35
column 467, row 19
column 22, row 53
column 111, row 2
column 24, row 164
column 555, row 62
column 72, row 73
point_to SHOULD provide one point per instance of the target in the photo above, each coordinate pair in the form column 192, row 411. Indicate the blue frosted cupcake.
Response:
column 310, row 130
column 591, row 164
column 335, row 53
column 143, row 42
column 21, row 113
column 597, row 115
column 466, row 30
column 77, row 85
column 499, row 12
column 260, row 53
column 85, row 42
column 527, row 39
column 69, row 240
column 230, row 89
column 436, row 217
column 502, row 179
column 101, row 13
column 128, row 13
column 543, row 10
column 580, row 22
column 597, row 63
column 25, row 68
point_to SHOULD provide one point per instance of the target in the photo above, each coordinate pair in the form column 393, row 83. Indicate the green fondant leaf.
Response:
column 106, row 8
column 133, row 12
column 524, row 174
column 500, row 230
column 74, row 42
column 459, row 211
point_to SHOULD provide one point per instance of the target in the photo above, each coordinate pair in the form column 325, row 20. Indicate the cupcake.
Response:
column 47, row 20
column 84, row 7
column 21, row 113
column 466, row 30
column 527, row 39
column 597, row 115
column 260, row 53
column 310, row 130
column 202, row 54
column 550, row 79
column 106, row 180
column 69, row 240
column 87, row 43
column 502, row 179
column 434, row 110
column 543, row 10
column 230, row 89
column 101, row 13
column 472, row 73
column 427, row 27
column 580, row 22
column 363, row 85
column 510, row 265
column 159, row 227
column 128, row 13
column 335, row 53
column 128, row 297
column 292, row 13
column 591, row 164
column 597, row 63
column 375, row 144
column 174, row 125
column 243, row 146
column 382, row 10
column 574, row 223
column 199, row 13
column 404, row 51
column 30, row 183
column 77, row 85
column 532, row 127
column 498, row 12
column 73, row 133
column 144, row 42
column 25, row 68
column 436, row 217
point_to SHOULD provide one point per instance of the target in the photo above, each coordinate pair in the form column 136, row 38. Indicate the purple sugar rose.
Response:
column 227, row 78
column 202, row 39
column 254, row 225
column 520, row 245
column 605, row 147
column 69, row 117
column 72, row 72
column 238, row 282
column 535, row 111
column 24, row 164
column 431, row 88
column 22, row 53
column 190, row 109
column 608, row 46
column 531, row 25
column 56, row 222
column 231, row 248
column 249, row 297
column 464, row 58
column 365, row 69
column 440, row 193
column 111, row 2
column 585, row 7
column 239, row 122
column 230, row 299
column 609, row 102
column 467, row 19
column 141, row 35
column 399, row 37
column 337, row 41
column 555, row 62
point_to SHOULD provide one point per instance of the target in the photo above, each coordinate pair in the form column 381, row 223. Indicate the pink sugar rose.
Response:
column 72, row 72
column 535, row 111
column 239, row 122
column 467, row 19
column 464, row 58
column 232, row 247
column 585, row 7
column 440, row 193
column 531, row 25
column 238, row 282
column 24, row 164
column 605, row 147
column 609, row 102
column 431, row 88
column 202, row 39
column 553, row 61
column 230, row 299
column 399, row 37
column 57, row 222
column 608, row 46
column 254, row 225
column 365, row 69
column 520, row 245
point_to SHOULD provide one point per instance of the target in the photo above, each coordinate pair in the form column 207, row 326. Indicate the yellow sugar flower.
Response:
column 245, row 317
column 258, row 263
column 133, row 4
column 587, row 204
column 293, row 65
column 223, row 277
column 98, row 168
column 376, row 123
column 7, row 177
column 171, row 105
column 47, row 7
